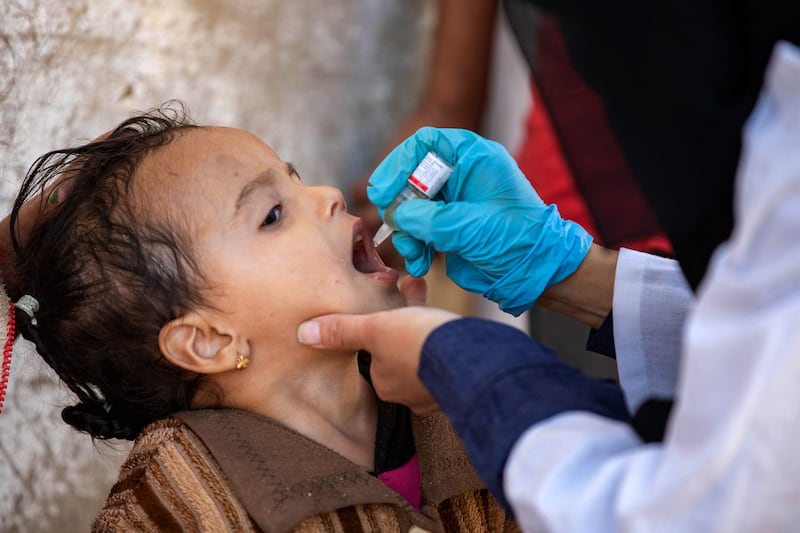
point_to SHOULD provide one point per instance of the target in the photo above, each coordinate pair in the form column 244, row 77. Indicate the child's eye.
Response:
column 273, row 216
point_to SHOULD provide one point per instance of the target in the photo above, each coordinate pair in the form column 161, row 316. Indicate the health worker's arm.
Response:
column 729, row 459
column 457, row 368
column 498, row 236
column 493, row 399
column 651, row 300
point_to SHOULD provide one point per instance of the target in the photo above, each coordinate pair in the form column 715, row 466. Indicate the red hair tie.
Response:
column 28, row 305
column 9, row 347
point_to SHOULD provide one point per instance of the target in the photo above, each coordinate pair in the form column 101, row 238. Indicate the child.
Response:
column 172, row 264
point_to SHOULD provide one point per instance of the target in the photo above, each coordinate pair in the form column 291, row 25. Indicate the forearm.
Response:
column 587, row 294
column 455, row 93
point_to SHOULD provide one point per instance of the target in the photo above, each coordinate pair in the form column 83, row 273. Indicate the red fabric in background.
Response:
column 544, row 164
column 573, row 160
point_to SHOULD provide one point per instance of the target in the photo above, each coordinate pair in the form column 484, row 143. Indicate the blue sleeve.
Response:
column 494, row 382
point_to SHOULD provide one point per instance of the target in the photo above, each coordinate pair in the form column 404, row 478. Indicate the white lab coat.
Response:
column 730, row 460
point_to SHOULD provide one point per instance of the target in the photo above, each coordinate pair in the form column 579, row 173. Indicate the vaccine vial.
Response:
column 427, row 179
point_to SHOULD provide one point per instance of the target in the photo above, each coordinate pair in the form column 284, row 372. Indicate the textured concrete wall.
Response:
column 323, row 81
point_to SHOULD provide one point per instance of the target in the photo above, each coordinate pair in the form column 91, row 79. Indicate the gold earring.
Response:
column 241, row 361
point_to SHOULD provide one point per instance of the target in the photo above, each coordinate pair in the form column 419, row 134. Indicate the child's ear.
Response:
column 193, row 343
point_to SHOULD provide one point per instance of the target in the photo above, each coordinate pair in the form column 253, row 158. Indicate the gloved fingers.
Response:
column 407, row 246
column 487, row 172
column 419, row 267
column 418, row 256
column 447, row 227
column 391, row 175
column 477, row 162
column 482, row 169
column 466, row 275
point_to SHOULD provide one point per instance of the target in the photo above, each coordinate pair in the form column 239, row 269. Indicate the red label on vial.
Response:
column 418, row 184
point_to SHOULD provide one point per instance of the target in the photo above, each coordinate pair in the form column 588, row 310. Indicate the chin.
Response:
column 383, row 302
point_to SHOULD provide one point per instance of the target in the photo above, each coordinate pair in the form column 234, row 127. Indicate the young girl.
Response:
column 171, row 265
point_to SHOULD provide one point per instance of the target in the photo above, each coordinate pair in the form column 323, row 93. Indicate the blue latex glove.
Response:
column 499, row 238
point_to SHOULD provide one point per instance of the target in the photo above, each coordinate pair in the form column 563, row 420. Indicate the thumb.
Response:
column 335, row 332
column 414, row 290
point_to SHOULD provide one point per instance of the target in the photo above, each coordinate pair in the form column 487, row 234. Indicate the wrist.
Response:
column 552, row 258
column 587, row 294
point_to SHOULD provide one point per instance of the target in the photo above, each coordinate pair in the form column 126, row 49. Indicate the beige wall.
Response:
column 323, row 81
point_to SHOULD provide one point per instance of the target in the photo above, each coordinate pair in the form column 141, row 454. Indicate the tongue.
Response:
column 362, row 261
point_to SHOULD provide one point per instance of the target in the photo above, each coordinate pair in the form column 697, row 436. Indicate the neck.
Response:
column 325, row 399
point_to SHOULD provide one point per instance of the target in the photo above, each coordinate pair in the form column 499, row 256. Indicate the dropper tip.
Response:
column 382, row 234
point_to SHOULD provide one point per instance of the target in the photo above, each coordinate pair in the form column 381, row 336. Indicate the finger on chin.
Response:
column 414, row 290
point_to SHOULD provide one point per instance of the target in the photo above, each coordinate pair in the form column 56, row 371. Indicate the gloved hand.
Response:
column 499, row 238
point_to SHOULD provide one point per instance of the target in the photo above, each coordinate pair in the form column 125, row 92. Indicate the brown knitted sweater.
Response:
column 229, row 470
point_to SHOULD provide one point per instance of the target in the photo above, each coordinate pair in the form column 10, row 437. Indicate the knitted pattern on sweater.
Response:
column 271, row 478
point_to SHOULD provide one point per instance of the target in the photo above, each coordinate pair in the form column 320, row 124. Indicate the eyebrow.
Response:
column 266, row 178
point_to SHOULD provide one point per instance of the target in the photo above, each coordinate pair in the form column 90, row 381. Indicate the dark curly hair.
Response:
column 108, row 274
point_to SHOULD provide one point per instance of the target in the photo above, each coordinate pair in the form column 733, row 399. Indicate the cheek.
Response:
column 299, row 287
column 286, row 285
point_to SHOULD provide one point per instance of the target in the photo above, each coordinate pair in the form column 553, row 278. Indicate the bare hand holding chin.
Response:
column 394, row 338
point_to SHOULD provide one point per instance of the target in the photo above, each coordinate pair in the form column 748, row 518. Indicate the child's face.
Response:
column 274, row 251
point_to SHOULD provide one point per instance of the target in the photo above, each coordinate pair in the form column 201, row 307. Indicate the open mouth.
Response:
column 365, row 259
